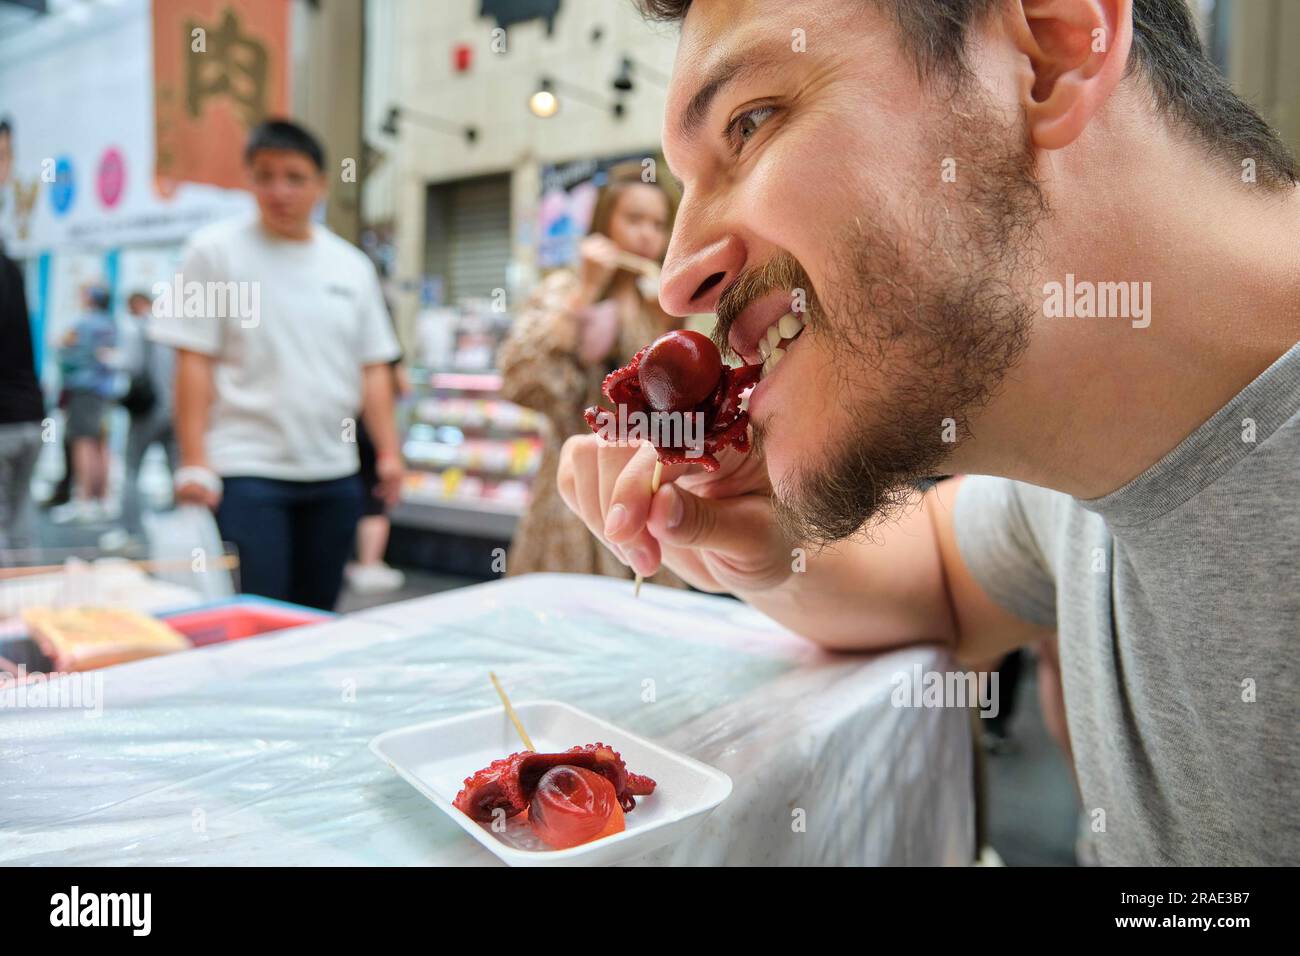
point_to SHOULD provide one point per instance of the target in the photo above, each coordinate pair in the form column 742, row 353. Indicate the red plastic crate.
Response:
column 234, row 622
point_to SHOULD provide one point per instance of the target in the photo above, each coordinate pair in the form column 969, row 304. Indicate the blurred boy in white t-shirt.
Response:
column 281, row 334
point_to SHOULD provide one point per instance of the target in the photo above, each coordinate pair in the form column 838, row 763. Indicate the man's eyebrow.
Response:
column 727, row 72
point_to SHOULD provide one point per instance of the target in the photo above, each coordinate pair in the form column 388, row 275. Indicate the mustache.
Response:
column 781, row 272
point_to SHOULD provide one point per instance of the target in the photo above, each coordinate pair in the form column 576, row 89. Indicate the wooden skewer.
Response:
column 654, row 487
column 634, row 263
column 510, row 712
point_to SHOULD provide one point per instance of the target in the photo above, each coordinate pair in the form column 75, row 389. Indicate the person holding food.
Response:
column 579, row 325
column 888, row 237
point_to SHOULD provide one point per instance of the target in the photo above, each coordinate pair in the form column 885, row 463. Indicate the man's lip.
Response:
column 752, row 323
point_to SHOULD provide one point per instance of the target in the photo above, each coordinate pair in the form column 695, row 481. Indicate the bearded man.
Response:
column 915, row 182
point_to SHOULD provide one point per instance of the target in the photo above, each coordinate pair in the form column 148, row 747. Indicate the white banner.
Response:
column 78, row 96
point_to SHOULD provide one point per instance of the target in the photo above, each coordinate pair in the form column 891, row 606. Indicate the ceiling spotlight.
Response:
column 543, row 103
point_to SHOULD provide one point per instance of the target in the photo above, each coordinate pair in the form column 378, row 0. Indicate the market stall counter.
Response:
column 256, row 752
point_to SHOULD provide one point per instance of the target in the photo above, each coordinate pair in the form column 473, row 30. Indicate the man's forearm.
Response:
column 377, row 409
column 868, row 595
column 193, row 403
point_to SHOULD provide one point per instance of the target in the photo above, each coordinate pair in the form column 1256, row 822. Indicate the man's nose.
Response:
column 693, row 279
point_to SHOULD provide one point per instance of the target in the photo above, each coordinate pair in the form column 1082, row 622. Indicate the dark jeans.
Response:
column 294, row 537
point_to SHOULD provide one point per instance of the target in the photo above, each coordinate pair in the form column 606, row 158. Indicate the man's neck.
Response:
column 298, row 232
column 1097, row 400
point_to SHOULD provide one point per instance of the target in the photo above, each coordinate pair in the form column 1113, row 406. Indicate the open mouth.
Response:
column 774, row 343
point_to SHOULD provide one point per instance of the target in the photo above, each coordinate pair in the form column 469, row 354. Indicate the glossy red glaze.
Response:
column 572, row 806
column 679, row 370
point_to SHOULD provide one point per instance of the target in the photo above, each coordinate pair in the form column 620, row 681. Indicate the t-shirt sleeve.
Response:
column 378, row 340
column 171, row 325
column 1002, row 529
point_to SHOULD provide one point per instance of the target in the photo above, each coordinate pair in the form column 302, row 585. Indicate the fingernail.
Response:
column 615, row 520
column 676, row 510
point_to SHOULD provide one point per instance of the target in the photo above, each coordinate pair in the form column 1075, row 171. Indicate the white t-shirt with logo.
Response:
column 291, row 325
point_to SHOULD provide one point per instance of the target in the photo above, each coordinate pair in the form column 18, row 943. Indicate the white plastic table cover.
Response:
column 255, row 752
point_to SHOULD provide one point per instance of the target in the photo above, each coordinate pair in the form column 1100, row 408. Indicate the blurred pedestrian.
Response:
column 21, row 410
column 291, row 339
column 148, row 400
column 577, row 327
column 86, row 358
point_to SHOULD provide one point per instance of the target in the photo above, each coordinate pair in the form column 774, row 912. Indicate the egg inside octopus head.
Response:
column 679, row 371
column 572, row 805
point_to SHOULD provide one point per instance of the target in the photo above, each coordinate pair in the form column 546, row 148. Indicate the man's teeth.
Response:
column 786, row 328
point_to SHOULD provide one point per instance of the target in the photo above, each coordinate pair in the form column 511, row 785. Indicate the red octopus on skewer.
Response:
column 682, row 372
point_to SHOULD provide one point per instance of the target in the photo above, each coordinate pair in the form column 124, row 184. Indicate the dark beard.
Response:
column 924, row 327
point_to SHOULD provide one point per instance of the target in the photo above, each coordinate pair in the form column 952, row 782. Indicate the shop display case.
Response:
column 470, row 454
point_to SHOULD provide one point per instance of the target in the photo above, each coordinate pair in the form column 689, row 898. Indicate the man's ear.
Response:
column 1076, row 52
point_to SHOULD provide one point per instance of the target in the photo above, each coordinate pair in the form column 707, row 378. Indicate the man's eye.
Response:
column 744, row 126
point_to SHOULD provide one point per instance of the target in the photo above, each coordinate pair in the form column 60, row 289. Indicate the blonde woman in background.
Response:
column 579, row 325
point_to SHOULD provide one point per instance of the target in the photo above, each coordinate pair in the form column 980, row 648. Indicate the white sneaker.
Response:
column 374, row 578
column 78, row 511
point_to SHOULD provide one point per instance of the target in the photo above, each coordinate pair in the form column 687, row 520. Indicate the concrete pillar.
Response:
column 329, row 36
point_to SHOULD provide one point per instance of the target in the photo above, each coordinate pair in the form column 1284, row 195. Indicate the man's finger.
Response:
column 629, row 500
column 564, row 481
column 586, row 492
column 611, row 459
column 732, row 526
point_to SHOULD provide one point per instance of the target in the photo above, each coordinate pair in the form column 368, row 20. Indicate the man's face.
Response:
column 896, row 214
column 287, row 185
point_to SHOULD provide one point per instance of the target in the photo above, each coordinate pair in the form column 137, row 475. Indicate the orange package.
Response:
column 82, row 639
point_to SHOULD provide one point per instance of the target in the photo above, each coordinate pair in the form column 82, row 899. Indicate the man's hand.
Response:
column 377, row 392
column 390, row 470
column 197, row 485
column 714, row 530
column 192, row 494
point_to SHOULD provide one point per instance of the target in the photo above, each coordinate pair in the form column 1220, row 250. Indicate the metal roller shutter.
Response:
column 469, row 235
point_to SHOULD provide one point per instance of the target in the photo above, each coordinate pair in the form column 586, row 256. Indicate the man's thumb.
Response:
column 684, row 520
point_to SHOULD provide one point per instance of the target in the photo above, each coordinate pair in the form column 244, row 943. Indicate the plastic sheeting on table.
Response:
column 256, row 752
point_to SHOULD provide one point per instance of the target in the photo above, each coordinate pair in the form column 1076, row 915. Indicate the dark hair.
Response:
column 5, row 128
column 282, row 134
column 1166, row 49
column 139, row 294
column 618, row 178
column 98, row 297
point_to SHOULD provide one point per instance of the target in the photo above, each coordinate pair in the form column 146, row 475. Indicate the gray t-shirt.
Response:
column 1177, row 602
